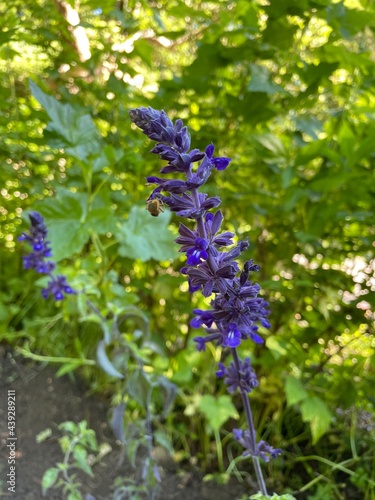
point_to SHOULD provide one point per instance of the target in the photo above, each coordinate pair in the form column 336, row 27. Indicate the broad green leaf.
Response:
column 73, row 125
column 217, row 410
column 261, row 81
column 64, row 216
column 69, row 223
column 316, row 412
column 145, row 237
column 294, row 391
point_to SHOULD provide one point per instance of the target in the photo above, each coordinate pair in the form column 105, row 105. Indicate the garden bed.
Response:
column 44, row 401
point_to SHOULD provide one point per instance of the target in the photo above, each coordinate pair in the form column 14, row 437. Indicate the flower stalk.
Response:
column 236, row 308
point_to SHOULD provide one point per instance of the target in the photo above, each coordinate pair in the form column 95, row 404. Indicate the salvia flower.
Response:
column 37, row 258
column 242, row 378
column 236, row 310
column 262, row 449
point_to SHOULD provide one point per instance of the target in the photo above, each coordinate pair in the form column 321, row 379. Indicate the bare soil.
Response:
column 43, row 401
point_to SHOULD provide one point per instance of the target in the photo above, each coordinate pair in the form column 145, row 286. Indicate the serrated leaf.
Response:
column 316, row 412
column 72, row 124
column 294, row 391
column 64, row 215
column 145, row 237
column 69, row 223
column 104, row 361
column 49, row 479
column 217, row 410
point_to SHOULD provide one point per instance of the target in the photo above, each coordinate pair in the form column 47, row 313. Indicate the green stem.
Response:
column 52, row 359
column 219, row 451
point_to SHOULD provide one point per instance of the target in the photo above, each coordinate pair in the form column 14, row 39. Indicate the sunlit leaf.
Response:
column 145, row 237
column 217, row 410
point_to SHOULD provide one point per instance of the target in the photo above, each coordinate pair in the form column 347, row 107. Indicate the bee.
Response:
column 155, row 206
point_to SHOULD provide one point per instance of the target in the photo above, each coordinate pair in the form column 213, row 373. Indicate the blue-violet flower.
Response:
column 36, row 259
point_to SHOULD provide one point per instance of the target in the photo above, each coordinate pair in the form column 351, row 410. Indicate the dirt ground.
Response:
column 43, row 401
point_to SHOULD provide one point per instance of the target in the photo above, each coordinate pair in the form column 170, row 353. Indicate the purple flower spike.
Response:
column 57, row 287
column 36, row 259
column 236, row 309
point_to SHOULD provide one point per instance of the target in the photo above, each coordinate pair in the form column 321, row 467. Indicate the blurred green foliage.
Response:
column 284, row 87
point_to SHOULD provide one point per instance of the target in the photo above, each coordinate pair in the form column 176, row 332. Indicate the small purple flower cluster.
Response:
column 262, row 449
column 41, row 251
column 243, row 377
column 236, row 309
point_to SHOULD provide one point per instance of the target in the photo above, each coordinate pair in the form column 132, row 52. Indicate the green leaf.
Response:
column 74, row 495
column 139, row 386
column 49, row 479
column 68, row 368
column 65, row 217
column 80, row 458
column 261, row 81
column 161, row 437
column 278, row 346
column 69, row 222
column 169, row 392
column 294, row 391
column 217, row 410
column 347, row 141
column 316, row 412
column 68, row 426
column 104, row 361
column 272, row 143
column 100, row 220
column 145, row 237
column 75, row 127
column 43, row 435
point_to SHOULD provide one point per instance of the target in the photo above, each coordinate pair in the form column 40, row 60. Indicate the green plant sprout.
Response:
column 76, row 443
